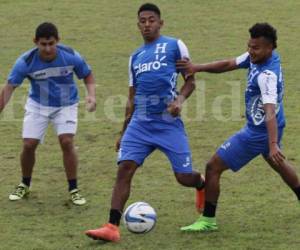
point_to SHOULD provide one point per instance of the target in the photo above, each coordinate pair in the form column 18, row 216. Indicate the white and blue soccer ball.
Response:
column 139, row 217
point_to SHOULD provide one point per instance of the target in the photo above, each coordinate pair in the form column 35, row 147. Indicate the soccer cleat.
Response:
column 200, row 199
column 203, row 224
column 77, row 198
column 21, row 191
column 107, row 232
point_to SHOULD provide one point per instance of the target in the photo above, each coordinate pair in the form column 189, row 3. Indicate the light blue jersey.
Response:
column 265, row 85
column 152, row 72
column 52, row 83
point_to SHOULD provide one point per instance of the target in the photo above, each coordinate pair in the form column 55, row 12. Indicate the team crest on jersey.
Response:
column 257, row 112
column 64, row 71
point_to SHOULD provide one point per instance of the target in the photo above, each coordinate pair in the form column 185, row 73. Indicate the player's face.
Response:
column 149, row 24
column 259, row 49
column 47, row 48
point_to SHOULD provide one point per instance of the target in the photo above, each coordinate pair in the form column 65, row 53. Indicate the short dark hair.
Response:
column 46, row 30
column 149, row 7
column 266, row 31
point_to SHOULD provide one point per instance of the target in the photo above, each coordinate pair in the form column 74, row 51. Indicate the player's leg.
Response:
column 235, row 153
column 284, row 169
column 133, row 151
column 197, row 181
column 192, row 179
column 28, row 158
column 27, row 162
column 173, row 142
column 214, row 169
column 287, row 173
column 34, row 128
column 121, row 190
column 64, row 121
column 70, row 162
column 186, row 176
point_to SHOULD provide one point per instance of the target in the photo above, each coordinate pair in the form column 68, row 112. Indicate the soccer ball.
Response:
column 139, row 217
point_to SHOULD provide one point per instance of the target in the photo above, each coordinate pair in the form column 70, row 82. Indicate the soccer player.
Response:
column 152, row 117
column 265, row 119
column 53, row 98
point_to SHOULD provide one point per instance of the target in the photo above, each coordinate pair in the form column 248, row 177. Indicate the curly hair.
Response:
column 266, row 31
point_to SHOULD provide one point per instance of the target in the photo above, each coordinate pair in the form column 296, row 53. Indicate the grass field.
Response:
column 256, row 210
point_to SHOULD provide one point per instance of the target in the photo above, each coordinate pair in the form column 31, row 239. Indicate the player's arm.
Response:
column 175, row 107
column 214, row 67
column 275, row 153
column 242, row 61
column 15, row 79
column 5, row 95
column 267, row 82
column 90, row 99
column 128, row 114
column 129, row 109
column 130, row 102
column 83, row 71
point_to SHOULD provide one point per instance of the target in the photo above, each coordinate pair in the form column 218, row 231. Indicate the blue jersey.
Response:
column 265, row 85
column 52, row 83
column 153, row 74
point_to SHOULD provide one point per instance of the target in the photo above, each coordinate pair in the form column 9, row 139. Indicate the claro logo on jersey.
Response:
column 157, row 63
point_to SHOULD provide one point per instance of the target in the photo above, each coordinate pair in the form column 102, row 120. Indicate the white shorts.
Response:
column 37, row 118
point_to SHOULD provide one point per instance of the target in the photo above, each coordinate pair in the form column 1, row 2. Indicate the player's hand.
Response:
column 186, row 66
column 276, row 155
column 90, row 103
column 118, row 143
column 175, row 107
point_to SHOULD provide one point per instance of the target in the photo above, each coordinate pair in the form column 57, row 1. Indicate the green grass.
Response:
column 256, row 210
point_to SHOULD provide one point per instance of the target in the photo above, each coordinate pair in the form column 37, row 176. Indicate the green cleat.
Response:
column 21, row 191
column 203, row 224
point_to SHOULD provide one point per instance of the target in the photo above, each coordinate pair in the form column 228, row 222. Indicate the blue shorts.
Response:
column 165, row 133
column 244, row 146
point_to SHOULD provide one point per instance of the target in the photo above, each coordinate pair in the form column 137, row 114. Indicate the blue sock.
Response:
column 26, row 181
column 72, row 184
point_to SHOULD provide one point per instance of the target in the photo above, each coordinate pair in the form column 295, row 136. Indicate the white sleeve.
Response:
column 267, row 82
column 242, row 58
column 184, row 52
column 130, row 75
